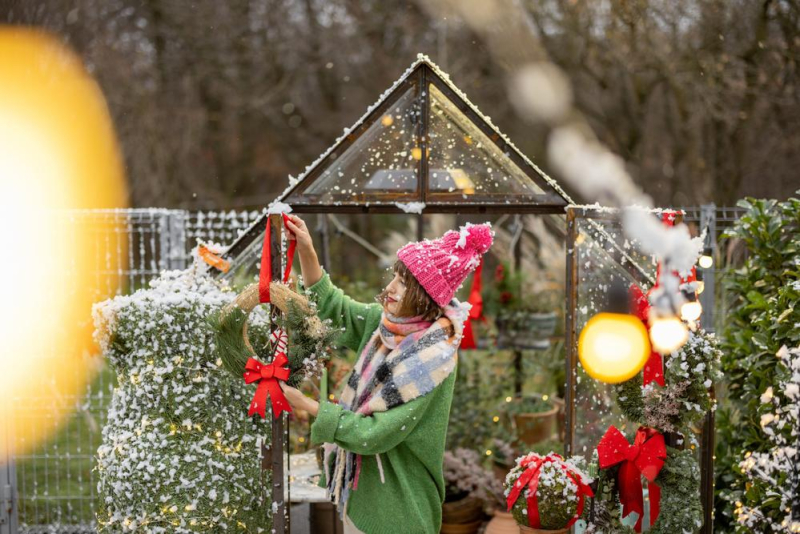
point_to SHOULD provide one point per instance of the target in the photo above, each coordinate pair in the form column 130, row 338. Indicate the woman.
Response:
column 385, row 438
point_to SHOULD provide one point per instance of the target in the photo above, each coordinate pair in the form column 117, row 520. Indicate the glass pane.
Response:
column 383, row 160
column 603, row 257
column 462, row 159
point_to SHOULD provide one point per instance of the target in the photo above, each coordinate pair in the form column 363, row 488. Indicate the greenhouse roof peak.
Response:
column 422, row 147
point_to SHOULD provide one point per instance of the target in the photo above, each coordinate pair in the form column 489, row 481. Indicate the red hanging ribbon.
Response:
column 644, row 458
column 265, row 274
column 267, row 376
column 476, row 312
column 640, row 307
column 530, row 478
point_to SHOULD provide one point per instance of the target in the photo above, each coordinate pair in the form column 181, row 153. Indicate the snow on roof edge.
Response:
column 347, row 131
column 446, row 78
column 421, row 58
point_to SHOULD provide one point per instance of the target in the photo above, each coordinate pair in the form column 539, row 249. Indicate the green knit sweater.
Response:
column 409, row 438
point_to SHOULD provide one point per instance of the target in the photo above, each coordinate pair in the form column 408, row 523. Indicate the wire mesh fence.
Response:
column 55, row 483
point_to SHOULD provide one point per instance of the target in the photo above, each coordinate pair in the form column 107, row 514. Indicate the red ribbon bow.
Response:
column 530, row 478
column 267, row 376
column 265, row 274
column 644, row 458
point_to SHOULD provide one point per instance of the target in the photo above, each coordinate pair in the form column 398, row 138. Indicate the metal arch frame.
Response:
column 571, row 363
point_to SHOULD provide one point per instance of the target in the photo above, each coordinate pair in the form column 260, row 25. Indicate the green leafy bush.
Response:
column 764, row 317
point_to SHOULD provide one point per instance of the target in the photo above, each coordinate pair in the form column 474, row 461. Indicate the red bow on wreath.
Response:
column 530, row 478
column 267, row 376
column 644, row 458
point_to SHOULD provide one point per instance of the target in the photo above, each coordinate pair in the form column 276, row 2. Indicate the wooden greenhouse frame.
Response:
column 548, row 198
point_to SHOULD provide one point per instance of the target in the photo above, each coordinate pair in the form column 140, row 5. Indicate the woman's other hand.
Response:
column 299, row 233
column 299, row 401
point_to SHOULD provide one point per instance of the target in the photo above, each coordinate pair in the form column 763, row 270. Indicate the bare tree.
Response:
column 215, row 103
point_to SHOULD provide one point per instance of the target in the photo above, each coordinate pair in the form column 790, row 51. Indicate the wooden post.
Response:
column 571, row 360
column 518, row 378
column 276, row 447
column 707, row 445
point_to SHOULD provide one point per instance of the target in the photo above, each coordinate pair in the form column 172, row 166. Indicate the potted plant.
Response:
column 546, row 494
column 465, row 479
column 524, row 309
column 535, row 417
column 547, row 366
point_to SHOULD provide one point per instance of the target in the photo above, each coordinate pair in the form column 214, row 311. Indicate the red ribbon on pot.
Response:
column 267, row 376
column 265, row 274
column 530, row 478
column 645, row 457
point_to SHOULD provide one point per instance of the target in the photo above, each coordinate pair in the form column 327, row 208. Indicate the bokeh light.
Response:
column 613, row 347
column 58, row 153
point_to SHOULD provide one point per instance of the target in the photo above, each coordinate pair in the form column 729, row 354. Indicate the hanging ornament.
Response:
column 706, row 260
column 691, row 309
column 668, row 334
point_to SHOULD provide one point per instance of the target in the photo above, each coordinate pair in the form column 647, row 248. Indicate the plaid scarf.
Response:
column 404, row 359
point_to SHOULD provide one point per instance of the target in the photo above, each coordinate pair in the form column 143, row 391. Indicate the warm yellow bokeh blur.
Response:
column 58, row 152
column 613, row 347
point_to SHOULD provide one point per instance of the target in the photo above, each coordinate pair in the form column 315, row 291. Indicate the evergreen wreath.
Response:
column 681, row 509
column 309, row 338
column 683, row 402
column 675, row 408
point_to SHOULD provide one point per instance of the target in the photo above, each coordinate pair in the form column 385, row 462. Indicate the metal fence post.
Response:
column 178, row 255
column 9, row 497
column 708, row 221
column 172, row 240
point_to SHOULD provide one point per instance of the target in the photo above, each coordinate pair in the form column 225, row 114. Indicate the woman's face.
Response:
column 394, row 294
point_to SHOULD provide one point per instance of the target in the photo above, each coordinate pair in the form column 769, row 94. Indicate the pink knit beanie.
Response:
column 442, row 265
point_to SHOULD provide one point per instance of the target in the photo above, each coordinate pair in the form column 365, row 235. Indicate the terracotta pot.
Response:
column 502, row 523
column 533, row 428
column 461, row 528
column 463, row 511
column 529, row 530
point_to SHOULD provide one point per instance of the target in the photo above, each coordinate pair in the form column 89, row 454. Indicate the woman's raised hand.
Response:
column 309, row 264
column 299, row 233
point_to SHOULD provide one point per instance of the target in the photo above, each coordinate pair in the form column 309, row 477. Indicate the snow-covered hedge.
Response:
column 179, row 453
